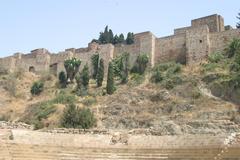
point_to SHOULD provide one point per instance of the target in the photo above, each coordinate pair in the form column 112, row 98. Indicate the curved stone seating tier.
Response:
column 32, row 145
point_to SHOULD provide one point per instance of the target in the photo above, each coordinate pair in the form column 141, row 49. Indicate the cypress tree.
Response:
column 124, row 68
column 62, row 79
column 100, row 74
column 82, row 80
column 85, row 76
column 95, row 61
column 142, row 61
column 110, row 79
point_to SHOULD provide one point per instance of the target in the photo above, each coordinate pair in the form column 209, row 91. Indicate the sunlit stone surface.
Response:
column 31, row 145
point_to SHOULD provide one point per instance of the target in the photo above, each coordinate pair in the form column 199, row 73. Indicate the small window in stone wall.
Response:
column 200, row 41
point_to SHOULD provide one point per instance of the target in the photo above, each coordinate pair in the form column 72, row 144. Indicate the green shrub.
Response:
column 233, row 47
column 168, row 84
column 136, row 79
column 62, row 79
column 209, row 67
column 215, row 57
column 234, row 67
column 44, row 110
column 140, row 64
column 235, row 80
column 156, row 76
column 100, row 73
column 75, row 117
column 168, row 74
column 37, row 88
column 174, row 69
column 95, row 61
column 64, row 98
column 72, row 67
column 121, row 67
column 237, row 57
column 110, row 79
column 35, row 113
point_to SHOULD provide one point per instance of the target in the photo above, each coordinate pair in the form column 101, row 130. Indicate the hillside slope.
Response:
column 185, row 105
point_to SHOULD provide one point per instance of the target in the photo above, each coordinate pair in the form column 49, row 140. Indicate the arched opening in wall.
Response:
column 31, row 69
column 53, row 69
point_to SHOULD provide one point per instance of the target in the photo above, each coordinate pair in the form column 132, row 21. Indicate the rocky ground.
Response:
column 169, row 112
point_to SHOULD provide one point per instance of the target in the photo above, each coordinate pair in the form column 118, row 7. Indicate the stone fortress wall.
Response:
column 187, row 45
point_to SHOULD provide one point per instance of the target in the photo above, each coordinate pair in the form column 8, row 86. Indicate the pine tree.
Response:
column 130, row 38
column 101, row 38
column 238, row 23
column 100, row 74
column 110, row 79
column 115, row 39
column 121, row 38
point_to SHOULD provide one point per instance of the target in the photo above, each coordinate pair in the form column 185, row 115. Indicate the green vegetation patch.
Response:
column 36, row 113
column 167, row 74
column 75, row 117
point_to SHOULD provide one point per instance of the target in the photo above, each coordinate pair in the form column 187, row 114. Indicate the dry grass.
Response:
column 129, row 102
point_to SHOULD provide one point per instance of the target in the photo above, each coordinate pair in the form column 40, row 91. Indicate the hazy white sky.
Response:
column 59, row 24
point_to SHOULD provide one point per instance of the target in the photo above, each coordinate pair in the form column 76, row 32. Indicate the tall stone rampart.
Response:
column 187, row 45
column 171, row 48
column 220, row 40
